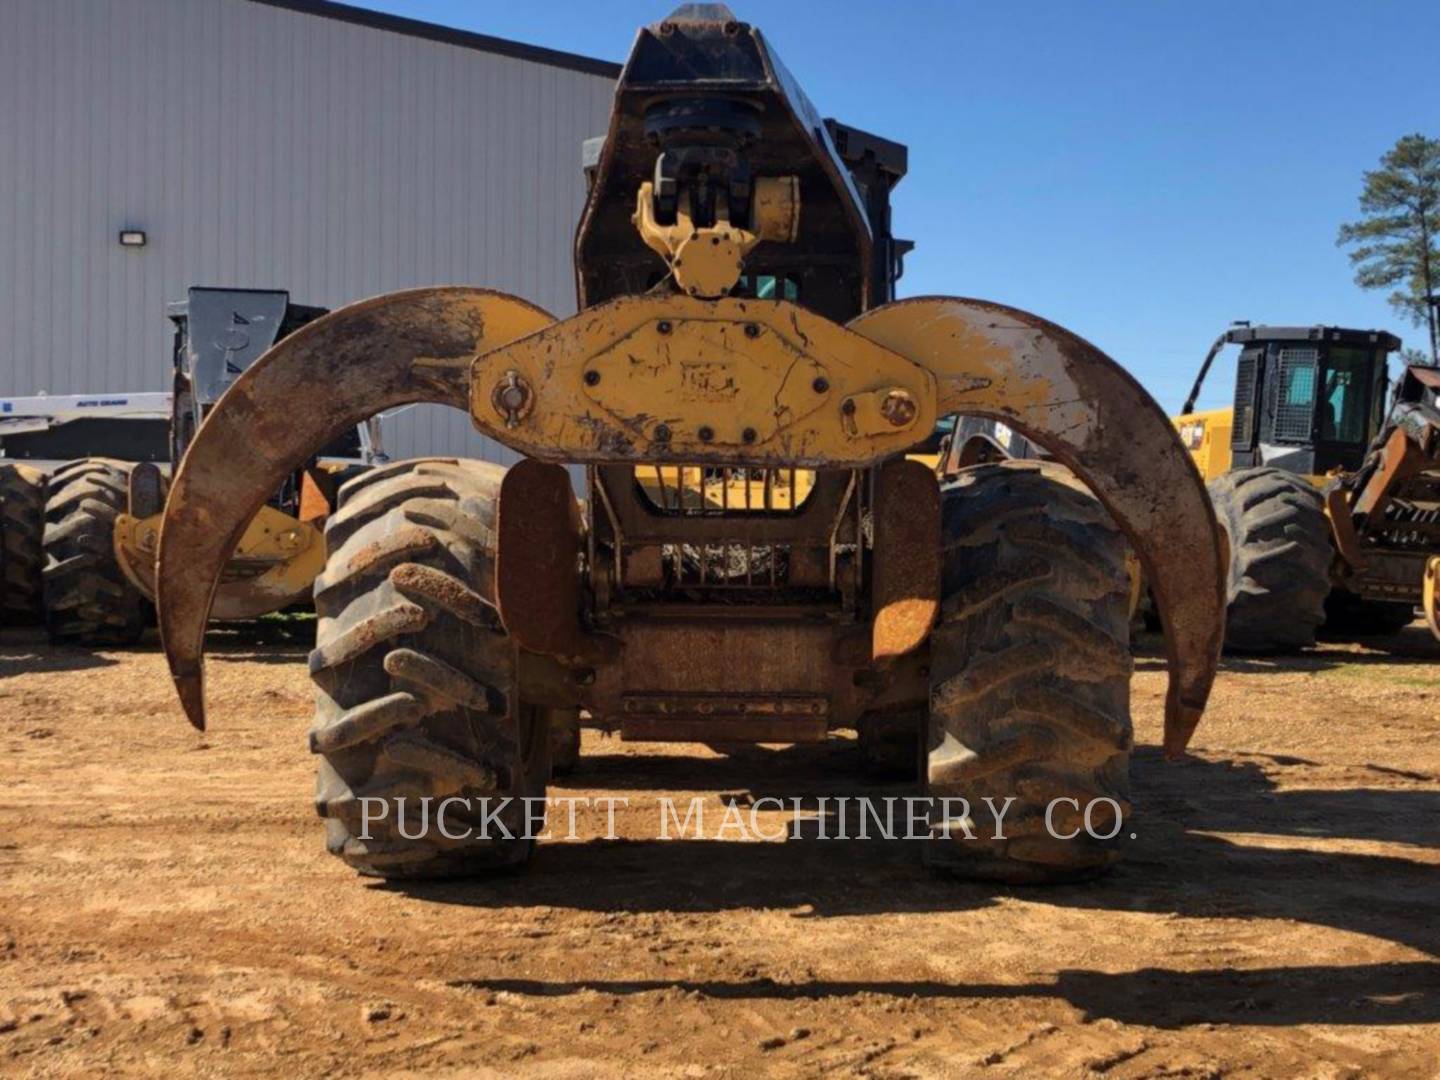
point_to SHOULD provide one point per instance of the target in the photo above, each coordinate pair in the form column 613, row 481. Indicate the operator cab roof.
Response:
column 1241, row 335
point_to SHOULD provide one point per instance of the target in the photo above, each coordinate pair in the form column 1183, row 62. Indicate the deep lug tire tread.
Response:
column 87, row 598
column 22, row 552
column 1280, row 556
column 1030, row 676
column 414, row 676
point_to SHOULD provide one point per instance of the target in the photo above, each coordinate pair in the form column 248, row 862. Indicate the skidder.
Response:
column 755, row 559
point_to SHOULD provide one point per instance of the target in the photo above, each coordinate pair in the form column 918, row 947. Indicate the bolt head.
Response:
column 899, row 408
column 748, row 435
column 662, row 432
column 592, row 377
column 707, row 434
column 821, row 385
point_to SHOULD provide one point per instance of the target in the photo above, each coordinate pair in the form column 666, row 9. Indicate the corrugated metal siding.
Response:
column 262, row 147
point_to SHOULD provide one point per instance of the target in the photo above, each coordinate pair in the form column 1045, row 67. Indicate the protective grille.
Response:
column 706, row 491
column 727, row 564
column 1244, row 432
column 1294, row 400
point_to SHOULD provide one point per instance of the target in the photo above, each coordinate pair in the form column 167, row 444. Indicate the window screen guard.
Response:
column 1292, row 394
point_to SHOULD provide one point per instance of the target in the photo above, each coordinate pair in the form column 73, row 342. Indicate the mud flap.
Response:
column 907, row 558
column 537, row 565
column 341, row 369
column 1089, row 413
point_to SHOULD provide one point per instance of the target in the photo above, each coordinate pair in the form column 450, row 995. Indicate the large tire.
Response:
column 1280, row 556
column 415, row 679
column 88, row 599
column 1030, row 679
column 22, row 556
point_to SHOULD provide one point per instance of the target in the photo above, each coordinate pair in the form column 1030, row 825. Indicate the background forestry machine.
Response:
column 82, row 501
column 1332, row 503
column 756, row 559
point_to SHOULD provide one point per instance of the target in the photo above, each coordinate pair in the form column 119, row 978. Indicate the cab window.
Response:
column 1343, row 400
column 1294, row 394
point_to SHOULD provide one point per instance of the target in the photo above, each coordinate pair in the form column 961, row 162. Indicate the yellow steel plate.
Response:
column 672, row 378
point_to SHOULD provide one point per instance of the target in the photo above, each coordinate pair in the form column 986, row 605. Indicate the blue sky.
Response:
column 1140, row 172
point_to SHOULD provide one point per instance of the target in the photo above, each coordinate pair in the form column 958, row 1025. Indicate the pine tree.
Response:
column 1395, row 241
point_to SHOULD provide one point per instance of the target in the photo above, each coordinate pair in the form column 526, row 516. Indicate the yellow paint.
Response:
column 984, row 365
column 732, row 381
column 274, row 565
column 1206, row 436
column 1431, row 595
column 707, row 260
column 694, row 487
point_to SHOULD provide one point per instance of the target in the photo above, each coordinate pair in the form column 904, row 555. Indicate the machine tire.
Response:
column 1280, row 556
column 1030, row 679
column 22, row 555
column 415, row 678
column 88, row 600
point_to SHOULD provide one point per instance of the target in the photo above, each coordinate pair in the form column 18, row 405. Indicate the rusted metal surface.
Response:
column 726, row 668
column 673, row 379
column 329, row 376
column 905, row 595
column 1389, row 511
column 316, row 497
column 1342, row 527
column 1401, row 458
column 537, row 565
column 1086, row 410
column 723, row 718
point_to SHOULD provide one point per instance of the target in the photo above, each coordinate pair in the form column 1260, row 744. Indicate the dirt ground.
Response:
column 166, row 904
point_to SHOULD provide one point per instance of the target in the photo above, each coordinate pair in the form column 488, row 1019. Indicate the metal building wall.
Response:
column 265, row 147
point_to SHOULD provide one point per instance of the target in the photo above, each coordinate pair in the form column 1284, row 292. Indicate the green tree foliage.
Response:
column 1394, row 244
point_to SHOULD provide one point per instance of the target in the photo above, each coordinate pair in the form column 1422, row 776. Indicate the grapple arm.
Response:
column 335, row 373
column 1070, row 398
column 673, row 379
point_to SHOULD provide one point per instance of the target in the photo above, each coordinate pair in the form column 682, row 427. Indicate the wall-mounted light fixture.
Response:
column 132, row 238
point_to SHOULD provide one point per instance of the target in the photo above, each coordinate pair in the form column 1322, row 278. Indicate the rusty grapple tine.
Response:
column 1085, row 409
column 402, row 348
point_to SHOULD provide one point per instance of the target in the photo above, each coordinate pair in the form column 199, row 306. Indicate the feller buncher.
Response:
column 1331, row 501
column 81, row 537
column 464, row 607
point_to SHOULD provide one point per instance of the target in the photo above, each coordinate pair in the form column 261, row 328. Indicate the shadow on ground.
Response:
column 27, row 651
column 1413, row 646
column 1365, row 994
column 1176, row 866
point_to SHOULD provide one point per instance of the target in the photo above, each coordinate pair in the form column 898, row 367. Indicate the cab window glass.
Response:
column 1342, row 403
column 769, row 287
